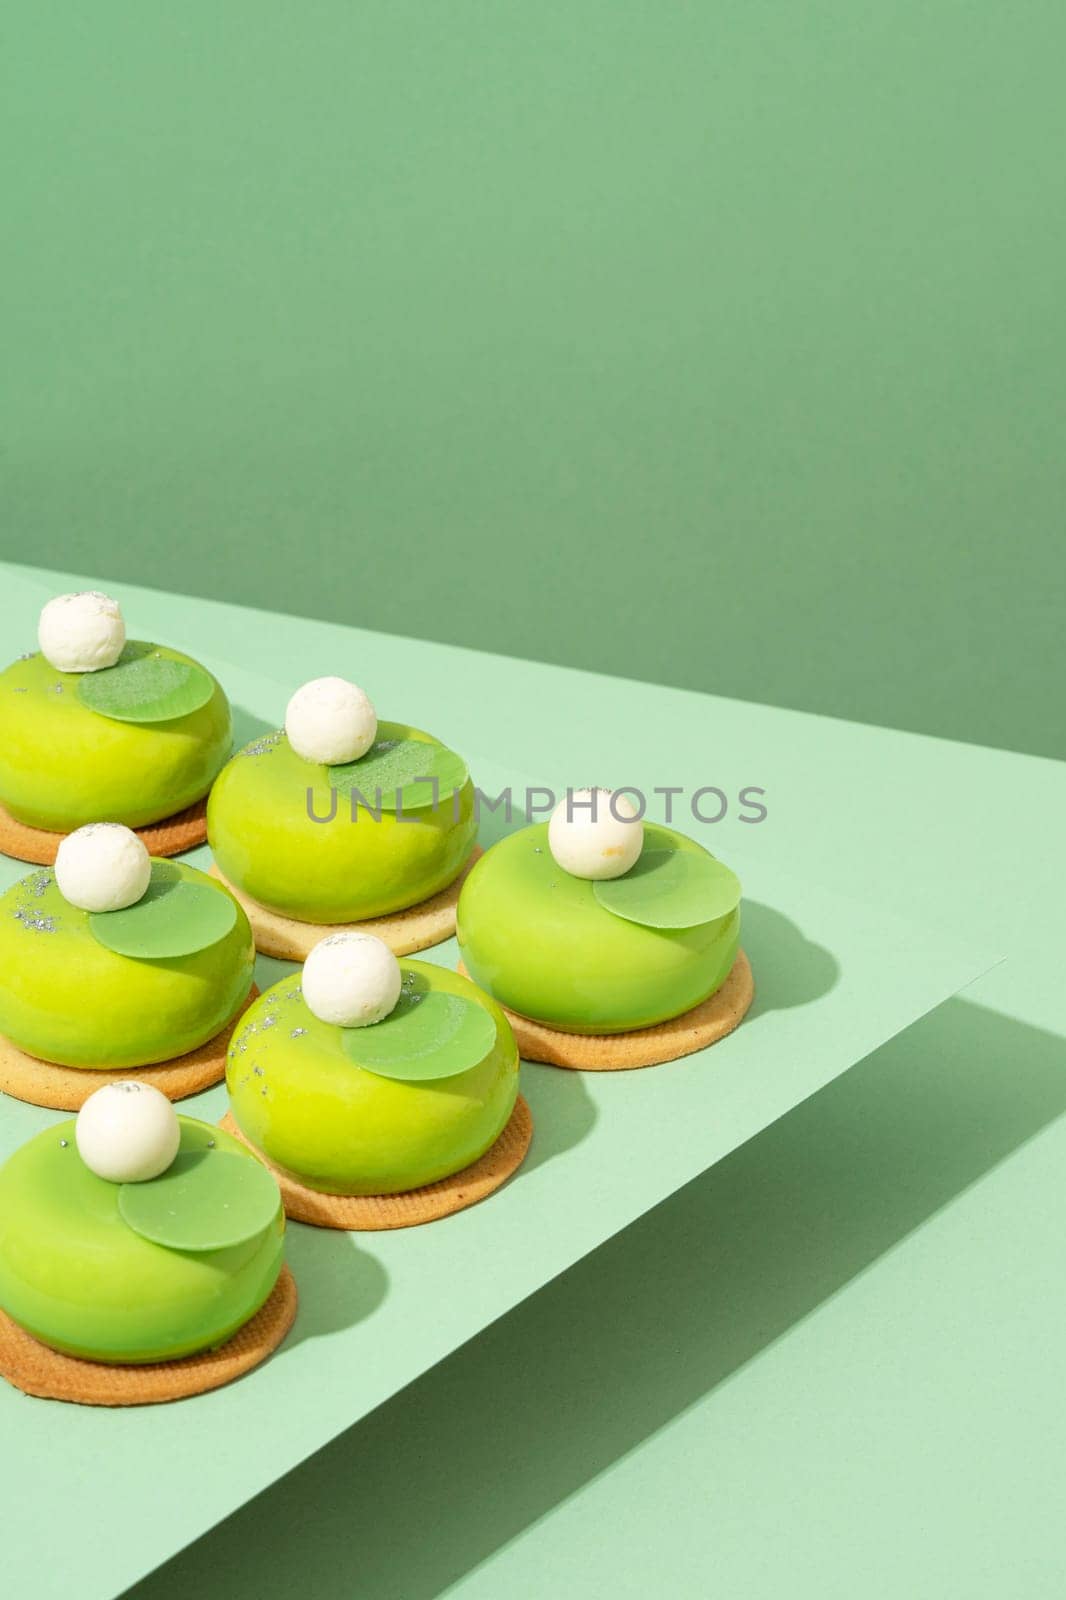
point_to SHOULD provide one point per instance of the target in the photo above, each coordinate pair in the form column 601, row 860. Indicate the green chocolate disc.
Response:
column 176, row 916
column 146, row 684
column 407, row 774
column 63, row 764
column 671, row 889
column 429, row 1035
column 206, row 1200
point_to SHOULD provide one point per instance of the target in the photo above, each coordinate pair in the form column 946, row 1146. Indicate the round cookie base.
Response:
column 417, row 928
column 169, row 837
column 38, row 1370
column 694, row 1030
column 377, row 1213
column 43, row 1083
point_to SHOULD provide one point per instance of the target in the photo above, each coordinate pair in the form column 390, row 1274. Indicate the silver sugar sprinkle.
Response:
column 34, row 923
column 260, row 747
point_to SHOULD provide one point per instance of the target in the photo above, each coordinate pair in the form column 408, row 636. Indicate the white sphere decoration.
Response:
column 102, row 867
column 127, row 1132
column 81, row 632
column 351, row 979
column 330, row 720
column 594, row 833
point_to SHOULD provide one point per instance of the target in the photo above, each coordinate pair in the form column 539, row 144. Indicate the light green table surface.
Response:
column 839, row 972
column 830, row 1367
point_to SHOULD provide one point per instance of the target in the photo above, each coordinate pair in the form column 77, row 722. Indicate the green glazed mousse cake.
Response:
column 599, row 955
column 311, row 832
column 375, row 1109
column 125, row 988
column 134, row 1272
column 134, row 741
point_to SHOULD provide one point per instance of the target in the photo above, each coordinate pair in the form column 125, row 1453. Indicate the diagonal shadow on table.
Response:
column 247, row 725
column 547, row 1398
column 340, row 1283
column 563, row 1111
column 790, row 969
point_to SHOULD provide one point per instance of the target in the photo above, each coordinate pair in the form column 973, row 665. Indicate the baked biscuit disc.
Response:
column 42, row 1083
column 374, row 1213
column 428, row 923
column 169, row 837
column 694, row 1030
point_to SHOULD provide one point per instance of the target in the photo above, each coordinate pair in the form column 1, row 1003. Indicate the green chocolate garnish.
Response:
column 429, row 1035
column 398, row 773
column 176, row 916
column 208, row 1199
column 147, row 684
column 671, row 889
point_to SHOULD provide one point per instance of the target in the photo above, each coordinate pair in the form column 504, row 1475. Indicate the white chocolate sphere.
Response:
column 81, row 632
column 127, row 1132
column 330, row 720
column 102, row 867
column 594, row 834
column 351, row 979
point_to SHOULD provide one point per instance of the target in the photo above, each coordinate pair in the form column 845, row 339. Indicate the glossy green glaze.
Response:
column 78, row 1278
column 144, row 685
column 337, row 870
column 62, row 765
column 65, row 998
column 671, row 889
column 539, row 941
column 301, row 1099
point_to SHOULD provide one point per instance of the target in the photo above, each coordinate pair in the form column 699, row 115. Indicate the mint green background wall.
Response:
column 714, row 344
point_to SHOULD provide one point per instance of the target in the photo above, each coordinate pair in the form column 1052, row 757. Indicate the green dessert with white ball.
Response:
column 364, row 1075
column 599, row 923
column 112, row 960
column 132, row 1235
column 338, row 817
column 96, row 727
